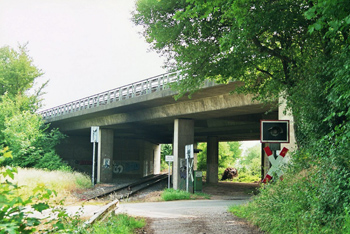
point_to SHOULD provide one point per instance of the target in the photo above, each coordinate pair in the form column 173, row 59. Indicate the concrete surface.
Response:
column 177, row 209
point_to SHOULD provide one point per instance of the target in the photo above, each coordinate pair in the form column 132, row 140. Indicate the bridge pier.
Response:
column 212, row 159
column 183, row 135
column 156, row 159
column 105, row 156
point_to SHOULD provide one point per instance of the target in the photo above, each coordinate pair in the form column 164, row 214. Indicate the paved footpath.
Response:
column 192, row 217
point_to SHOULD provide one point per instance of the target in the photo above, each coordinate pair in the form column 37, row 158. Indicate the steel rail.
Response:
column 132, row 188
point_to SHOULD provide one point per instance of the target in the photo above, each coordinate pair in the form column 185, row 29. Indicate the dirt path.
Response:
column 189, row 217
column 205, row 224
column 192, row 217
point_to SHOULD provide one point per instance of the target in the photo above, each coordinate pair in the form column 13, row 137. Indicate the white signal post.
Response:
column 94, row 139
column 169, row 159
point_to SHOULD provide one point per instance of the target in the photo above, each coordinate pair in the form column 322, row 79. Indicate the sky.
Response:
column 84, row 47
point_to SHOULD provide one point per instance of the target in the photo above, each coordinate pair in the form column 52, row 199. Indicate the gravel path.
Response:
column 192, row 217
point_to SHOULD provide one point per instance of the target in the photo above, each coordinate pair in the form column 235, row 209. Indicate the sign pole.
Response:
column 93, row 164
column 169, row 175
column 186, row 174
column 169, row 159
column 94, row 138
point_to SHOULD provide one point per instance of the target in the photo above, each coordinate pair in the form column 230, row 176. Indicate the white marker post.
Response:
column 94, row 139
column 169, row 159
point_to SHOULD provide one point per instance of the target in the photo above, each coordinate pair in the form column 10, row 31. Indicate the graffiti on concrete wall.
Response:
column 126, row 167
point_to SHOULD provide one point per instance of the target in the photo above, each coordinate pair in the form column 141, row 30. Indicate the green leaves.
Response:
column 295, row 49
column 40, row 206
column 24, row 131
column 17, row 72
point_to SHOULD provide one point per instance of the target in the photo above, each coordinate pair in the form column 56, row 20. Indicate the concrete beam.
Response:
column 222, row 105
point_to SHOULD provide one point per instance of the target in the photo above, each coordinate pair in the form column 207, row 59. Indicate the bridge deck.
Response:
column 150, row 114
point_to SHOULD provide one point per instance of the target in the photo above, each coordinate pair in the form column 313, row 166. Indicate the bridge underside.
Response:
column 137, row 126
column 215, row 112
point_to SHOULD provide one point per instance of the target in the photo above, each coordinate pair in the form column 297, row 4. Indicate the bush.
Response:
column 172, row 194
column 51, row 161
column 24, row 131
column 246, row 177
column 15, row 217
column 312, row 198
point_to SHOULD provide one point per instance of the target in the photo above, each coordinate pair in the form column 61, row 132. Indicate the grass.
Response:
column 172, row 195
column 117, row 224
column 239, row 210
column 63, row 182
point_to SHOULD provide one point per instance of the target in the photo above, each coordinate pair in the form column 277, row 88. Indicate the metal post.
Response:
column 169, row 175
column 93, row 164
column 186, row 174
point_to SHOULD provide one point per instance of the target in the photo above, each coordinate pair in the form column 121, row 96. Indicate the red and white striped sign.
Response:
column 275, row 162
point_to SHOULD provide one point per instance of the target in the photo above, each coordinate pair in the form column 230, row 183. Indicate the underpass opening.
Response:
column 237, row 161
column 241, row 159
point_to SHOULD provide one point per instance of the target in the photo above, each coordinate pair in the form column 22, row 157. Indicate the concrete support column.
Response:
column 282, row 115
column 105, row 156
column 195, row 159
column 156, row 160
column 183, row 135
column 212, row 159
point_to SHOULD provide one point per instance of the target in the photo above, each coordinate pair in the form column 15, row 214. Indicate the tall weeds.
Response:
column 63, row 182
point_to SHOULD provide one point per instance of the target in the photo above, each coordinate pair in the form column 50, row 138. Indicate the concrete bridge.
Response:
column 135, row 119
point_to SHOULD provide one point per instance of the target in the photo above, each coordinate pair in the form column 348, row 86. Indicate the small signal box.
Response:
column 274, row 131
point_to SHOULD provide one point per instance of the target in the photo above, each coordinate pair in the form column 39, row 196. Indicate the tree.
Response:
column 265, row 44
column 202, row 157
column 229, row 152
column 296, row 49
column 252, row 160
column 257, row 42
column 17, row 71
column 21, row 128
column 166, row 149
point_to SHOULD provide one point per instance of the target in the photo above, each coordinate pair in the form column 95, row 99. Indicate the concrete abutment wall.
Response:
column 115, row 157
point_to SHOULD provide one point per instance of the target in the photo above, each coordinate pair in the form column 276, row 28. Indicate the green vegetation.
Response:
column 166, row 149
column 249, row 168
column 31, row 172
column 172, row 194
column 117, row 224
column 230, row 155
column 21, row 129
column 25, row 141
column 14, row 213
column 229, row 152
column 298, row 51
column 63, row 181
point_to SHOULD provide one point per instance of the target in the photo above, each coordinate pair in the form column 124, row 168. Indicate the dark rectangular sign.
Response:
column 274, row 131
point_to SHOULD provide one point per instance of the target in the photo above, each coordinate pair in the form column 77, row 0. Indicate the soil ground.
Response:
column 208, row 222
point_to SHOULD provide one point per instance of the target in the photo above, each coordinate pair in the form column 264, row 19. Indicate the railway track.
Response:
column 130, row 189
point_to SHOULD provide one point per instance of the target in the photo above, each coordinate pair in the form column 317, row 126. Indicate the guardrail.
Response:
column 150, row 85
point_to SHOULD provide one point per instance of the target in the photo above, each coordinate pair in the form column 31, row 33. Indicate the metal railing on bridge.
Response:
column 147, row 86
